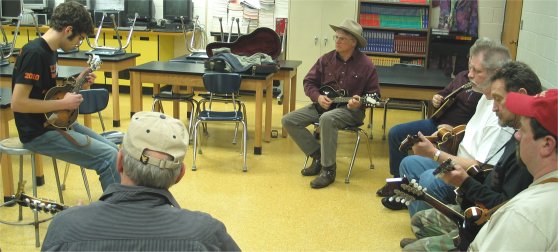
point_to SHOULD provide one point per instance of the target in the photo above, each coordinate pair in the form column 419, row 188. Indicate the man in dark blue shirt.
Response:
column 141, row 213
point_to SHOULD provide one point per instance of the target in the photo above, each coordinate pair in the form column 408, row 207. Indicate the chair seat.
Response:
column 354, row 127
column 220, row 116
column 13, row 146
column 113, row 136
column 219, row 96
column 167, row 95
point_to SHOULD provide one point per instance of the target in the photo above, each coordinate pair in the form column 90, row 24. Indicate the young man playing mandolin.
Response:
column 35, row 73
column 346, row 68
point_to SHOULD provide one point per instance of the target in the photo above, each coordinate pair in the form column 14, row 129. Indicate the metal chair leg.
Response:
column 305, row 162
column 20, row 183
column 354, row 156
column 35, row 213
column 55, row 166
column 86, row 183
column 195, row 145
column 368, row 149
column 235, row 133
column 385, row 120
column 244, row 136
column 63, row 185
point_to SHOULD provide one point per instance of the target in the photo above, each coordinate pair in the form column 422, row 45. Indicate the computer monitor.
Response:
column 35, row 4
column 174, row 9
column 142, row 7
column 10, row 9
column 86, row 3
column 109, row 5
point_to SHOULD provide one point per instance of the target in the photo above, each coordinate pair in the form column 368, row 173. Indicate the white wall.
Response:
column 491, row 18
column 538, row 39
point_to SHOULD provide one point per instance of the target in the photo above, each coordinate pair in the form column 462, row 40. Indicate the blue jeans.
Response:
column 99, row 155
column 420, row 169
column 398, row 133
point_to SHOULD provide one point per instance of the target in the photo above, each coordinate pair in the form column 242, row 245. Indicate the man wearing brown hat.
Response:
column 345, row 68
column 141, row 213
column 527, row 222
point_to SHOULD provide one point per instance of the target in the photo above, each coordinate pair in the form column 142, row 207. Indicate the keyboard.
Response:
column 106, row 52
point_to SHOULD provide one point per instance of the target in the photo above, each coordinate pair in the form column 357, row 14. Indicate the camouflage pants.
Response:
column 434, row 230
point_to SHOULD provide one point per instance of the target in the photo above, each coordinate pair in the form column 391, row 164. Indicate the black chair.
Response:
column 224, row 98
column 218, row 84
column 357, row 131
column 166, row 94
column 94, row 101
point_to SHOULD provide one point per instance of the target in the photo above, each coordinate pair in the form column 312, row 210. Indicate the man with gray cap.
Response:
column 345, row 68
column 140, row 213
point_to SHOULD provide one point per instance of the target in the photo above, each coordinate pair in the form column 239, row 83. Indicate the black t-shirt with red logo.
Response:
column 36, row 66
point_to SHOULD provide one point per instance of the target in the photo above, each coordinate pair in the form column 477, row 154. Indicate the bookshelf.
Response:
column 398, row 31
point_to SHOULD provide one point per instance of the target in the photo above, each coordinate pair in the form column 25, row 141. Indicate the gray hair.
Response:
column 148, row 175
column 495, row 54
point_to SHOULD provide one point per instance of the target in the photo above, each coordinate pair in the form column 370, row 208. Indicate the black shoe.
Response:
column 385, row 191
column 314, row 168
column 393, row 205
column 406, row 241
column 326, row 177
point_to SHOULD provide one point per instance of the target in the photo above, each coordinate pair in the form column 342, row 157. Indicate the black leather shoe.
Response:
column 393, row 205
column 385, row 191
column 326, row 177
column 314, row 168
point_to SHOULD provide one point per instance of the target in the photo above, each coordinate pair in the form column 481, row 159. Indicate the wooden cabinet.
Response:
column 397, row 32
column 309, row 34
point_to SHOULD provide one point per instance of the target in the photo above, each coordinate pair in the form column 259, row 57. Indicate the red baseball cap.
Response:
column 543, row 107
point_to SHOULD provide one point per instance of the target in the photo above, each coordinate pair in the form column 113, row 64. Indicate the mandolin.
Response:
column 446, row 140
column 469, row 222
column 478, row 172
column 338, row 97
column 449, row 100
column 65, row 118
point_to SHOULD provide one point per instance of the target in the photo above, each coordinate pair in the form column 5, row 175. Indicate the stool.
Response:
column 13, row 146
column 357, row 130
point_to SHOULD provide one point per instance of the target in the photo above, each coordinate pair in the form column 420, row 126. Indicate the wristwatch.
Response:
column 436, row 155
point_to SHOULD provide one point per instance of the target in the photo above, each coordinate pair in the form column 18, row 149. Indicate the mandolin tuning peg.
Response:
column 413, row 181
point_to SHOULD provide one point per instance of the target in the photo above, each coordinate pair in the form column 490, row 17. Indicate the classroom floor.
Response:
column 269, row 208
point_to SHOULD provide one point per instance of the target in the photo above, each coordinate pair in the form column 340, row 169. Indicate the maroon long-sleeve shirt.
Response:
column 357, row 75
column 465, row 103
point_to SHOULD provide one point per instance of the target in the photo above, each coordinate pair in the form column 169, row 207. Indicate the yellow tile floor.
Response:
column 269, row 208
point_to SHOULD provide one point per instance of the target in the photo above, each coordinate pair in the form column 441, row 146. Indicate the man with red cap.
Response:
column 527, row 222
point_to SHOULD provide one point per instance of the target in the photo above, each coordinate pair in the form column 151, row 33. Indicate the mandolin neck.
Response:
column 444, row 209
column 81, row 81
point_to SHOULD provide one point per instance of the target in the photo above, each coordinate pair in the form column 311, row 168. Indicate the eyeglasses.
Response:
column 341, row 38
